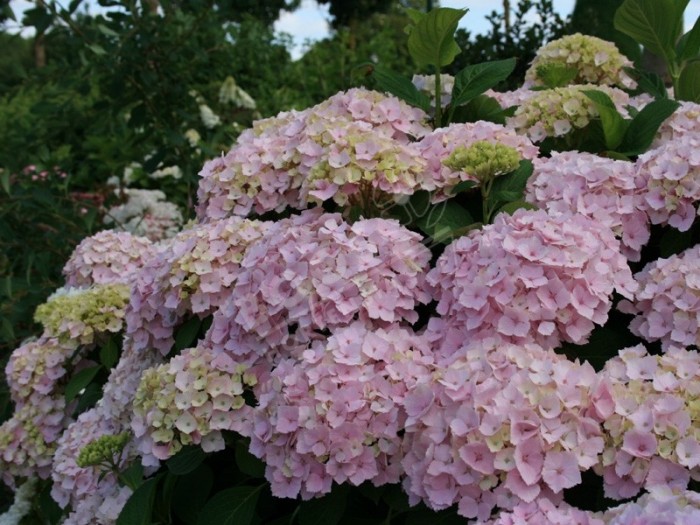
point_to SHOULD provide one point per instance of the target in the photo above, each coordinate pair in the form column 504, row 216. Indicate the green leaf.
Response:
column 89, row 398
column 643, row 127
column 5, row 180
column 475, row 79
column 109, row 354
column 400, row 87
column 185, row 461
column 139, row 507
column 414, row 14
column 186, row 335
column 423, row 516
column 234, row 506
column 603, row 343
column 689, row 83
column 191, row 493
column 79, row 381
column 674, row 242
column 656, row 24
column 649, row 82
column 38, row 17
column 614, row 126
column 482, row 107
column 556, row 75
column 97, row 49
column 513, row 183
column 418, row 204
column 431, row 41
column 445, row 221
column 689, row 45
column 7, row 331
column 48, row 508
column 396, row 498
column 465, row 185
column 133, row 476
column 514, row 206
column 327, row 510
column 107, row 31
column 247, row 462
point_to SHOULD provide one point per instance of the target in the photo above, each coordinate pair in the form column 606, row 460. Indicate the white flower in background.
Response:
column 131, row 173
column 209, row 118
column 232, row 93
column 426, row 84
column 21, row 505
column 146, row 213
column 169, row 171
column 193, row 137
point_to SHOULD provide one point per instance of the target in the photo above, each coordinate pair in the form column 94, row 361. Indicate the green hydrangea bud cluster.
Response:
column 597, row 61
column 557, row 112
column 78, row 314
column 102, row 450
column 483, row 160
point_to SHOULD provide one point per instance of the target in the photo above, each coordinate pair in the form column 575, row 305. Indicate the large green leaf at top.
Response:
column 642, row 130
column 431, row 41
column 473, row 80
column 689, row 45
column 400, row 87
column 656, row 24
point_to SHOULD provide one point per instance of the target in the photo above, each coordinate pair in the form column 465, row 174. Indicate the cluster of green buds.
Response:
column 102, row 451
column 483, row 160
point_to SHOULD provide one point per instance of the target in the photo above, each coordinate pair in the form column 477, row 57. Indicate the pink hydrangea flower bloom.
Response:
column 667, row 303
column 650, row 437
column 528, row 277
column 673, row 174
column 107, row 257
column 606, row 190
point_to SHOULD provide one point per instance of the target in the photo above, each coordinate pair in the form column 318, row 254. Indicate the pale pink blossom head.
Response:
column 528, row 277
column 606, row 190
column 107, row 257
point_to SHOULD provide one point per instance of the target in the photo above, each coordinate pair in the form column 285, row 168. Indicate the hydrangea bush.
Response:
column 386, row 309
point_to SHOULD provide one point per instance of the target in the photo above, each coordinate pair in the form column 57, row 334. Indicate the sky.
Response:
column 310, row 22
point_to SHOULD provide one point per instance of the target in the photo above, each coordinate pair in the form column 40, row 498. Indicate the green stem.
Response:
column 675, row 73
column 485, row 191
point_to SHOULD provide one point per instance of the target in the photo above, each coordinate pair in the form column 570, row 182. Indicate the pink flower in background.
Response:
column 107, row 257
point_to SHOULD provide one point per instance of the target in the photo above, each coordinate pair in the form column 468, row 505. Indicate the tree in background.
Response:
column 349, row 14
